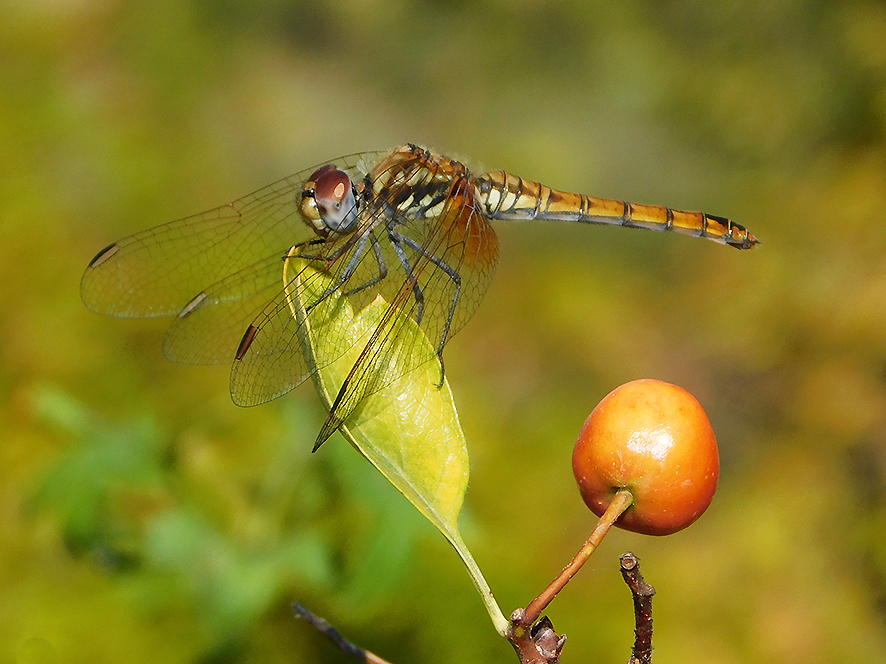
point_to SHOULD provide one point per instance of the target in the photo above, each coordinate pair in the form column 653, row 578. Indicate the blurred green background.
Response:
column 147, row 519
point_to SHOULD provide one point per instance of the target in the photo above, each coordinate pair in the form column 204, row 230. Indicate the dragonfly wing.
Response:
column 387, row 356
column 159, row 271
column 214, row 272
column 270, row 360
column 208, row 329
column 450, row 258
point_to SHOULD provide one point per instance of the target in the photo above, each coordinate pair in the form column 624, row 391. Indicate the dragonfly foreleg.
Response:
column 292, row 253
column 359, row 245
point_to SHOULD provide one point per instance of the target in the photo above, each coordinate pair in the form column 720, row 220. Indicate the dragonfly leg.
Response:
column 397, row 242
column 456, row 279
column 307, row 257
column 359, row 245
column 382, row 267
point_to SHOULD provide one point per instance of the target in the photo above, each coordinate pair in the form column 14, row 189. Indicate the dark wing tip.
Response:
column 103, row 255
column 246, row 342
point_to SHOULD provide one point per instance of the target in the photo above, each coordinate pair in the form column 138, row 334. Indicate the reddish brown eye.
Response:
column 329, row 202
column 331, row 186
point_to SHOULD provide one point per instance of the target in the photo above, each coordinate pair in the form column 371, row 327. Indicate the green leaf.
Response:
column 408, row 429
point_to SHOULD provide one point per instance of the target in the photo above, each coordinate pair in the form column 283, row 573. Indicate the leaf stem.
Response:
column 499, row 621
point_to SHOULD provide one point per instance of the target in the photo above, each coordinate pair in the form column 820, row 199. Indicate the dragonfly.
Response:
column 407, row 225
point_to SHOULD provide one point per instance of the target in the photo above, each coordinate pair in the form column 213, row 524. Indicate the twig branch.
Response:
column 327, row 630
column 642, row 593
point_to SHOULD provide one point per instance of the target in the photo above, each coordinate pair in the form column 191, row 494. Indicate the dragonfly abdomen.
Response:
column 507, row 196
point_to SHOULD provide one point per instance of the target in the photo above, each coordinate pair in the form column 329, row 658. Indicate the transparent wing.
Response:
column 209, row 328
column 269, row 361
column 454, row 257
column 157, row 272
column 214, row 271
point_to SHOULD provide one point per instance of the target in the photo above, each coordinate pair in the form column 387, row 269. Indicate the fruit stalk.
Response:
column 620, row 502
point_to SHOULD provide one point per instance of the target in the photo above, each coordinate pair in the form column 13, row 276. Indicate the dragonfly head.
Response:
column 329, row 202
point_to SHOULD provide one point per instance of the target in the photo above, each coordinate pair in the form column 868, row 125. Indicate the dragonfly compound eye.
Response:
column 329, row 202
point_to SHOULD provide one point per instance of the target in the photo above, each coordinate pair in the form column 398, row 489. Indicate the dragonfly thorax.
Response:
column 329, row 202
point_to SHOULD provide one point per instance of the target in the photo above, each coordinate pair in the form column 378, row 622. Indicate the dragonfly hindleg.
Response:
column 453, row 274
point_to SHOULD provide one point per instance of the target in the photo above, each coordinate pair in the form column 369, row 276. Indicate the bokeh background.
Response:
column 147, row 519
